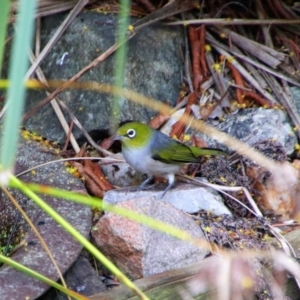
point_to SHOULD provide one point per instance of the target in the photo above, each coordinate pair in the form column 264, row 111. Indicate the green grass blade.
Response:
column 120, row 60
column 39, row 276
column 4, row 8
column 16, row 183
column 16, row 91
column 129, row 214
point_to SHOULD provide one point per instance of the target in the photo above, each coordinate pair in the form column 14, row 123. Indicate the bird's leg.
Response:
column 171, row 180
column 144, row 183
column 168, row 187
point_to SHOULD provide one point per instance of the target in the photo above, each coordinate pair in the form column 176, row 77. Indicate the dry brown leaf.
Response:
column 279, row 191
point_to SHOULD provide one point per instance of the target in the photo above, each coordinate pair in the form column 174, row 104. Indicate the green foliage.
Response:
column 4, row 8
column 15, row 183
column 16, row 92
column 120, row 60
column 39, row 276
column 15, row 99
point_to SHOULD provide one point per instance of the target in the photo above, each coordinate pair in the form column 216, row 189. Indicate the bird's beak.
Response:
column 117, row 138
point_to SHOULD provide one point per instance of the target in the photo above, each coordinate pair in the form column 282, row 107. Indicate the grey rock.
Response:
column 121, row 174
column 15, row 284
column 153, row 68
column 187, row 197
column 295, row 91
column 257, row 125
column 140, row 251
column 81, row 278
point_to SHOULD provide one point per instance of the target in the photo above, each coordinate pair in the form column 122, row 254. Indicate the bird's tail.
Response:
column 212, row 151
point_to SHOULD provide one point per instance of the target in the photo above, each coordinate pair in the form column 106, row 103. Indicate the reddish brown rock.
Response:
column 140, row 251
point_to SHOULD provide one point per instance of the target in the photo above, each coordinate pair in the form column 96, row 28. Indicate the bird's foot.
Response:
column 141, row 188
column 167, row 188
column 145, row 187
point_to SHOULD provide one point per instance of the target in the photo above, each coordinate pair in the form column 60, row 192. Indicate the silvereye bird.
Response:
column 153, row 153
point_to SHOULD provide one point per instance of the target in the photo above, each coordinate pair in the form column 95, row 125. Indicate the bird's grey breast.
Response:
column 138, row 158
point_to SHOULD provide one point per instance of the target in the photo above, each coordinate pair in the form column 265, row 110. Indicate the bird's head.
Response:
column 134, row 135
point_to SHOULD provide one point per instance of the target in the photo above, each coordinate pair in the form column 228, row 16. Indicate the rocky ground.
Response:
column 242, row 79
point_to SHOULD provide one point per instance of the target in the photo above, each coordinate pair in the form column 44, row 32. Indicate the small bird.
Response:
column 153, row 153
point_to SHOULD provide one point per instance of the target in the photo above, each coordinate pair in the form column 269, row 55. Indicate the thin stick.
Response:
column 94, row 63
column 56, row 108
column 233, row 22
column 74, row 12
column 107, row 159
column 78, row 124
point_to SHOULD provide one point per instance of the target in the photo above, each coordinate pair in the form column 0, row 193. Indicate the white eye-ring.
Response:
column 131, row 133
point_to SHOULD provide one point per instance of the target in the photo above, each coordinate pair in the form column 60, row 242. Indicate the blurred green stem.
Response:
column 16, row 183
column 120, row 61
column 16, row 92
column 4, row 8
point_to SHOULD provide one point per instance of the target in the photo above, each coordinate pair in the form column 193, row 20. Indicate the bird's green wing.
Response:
column 171, row 151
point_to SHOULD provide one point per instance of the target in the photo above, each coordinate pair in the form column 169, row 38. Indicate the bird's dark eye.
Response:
column 131, row 133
